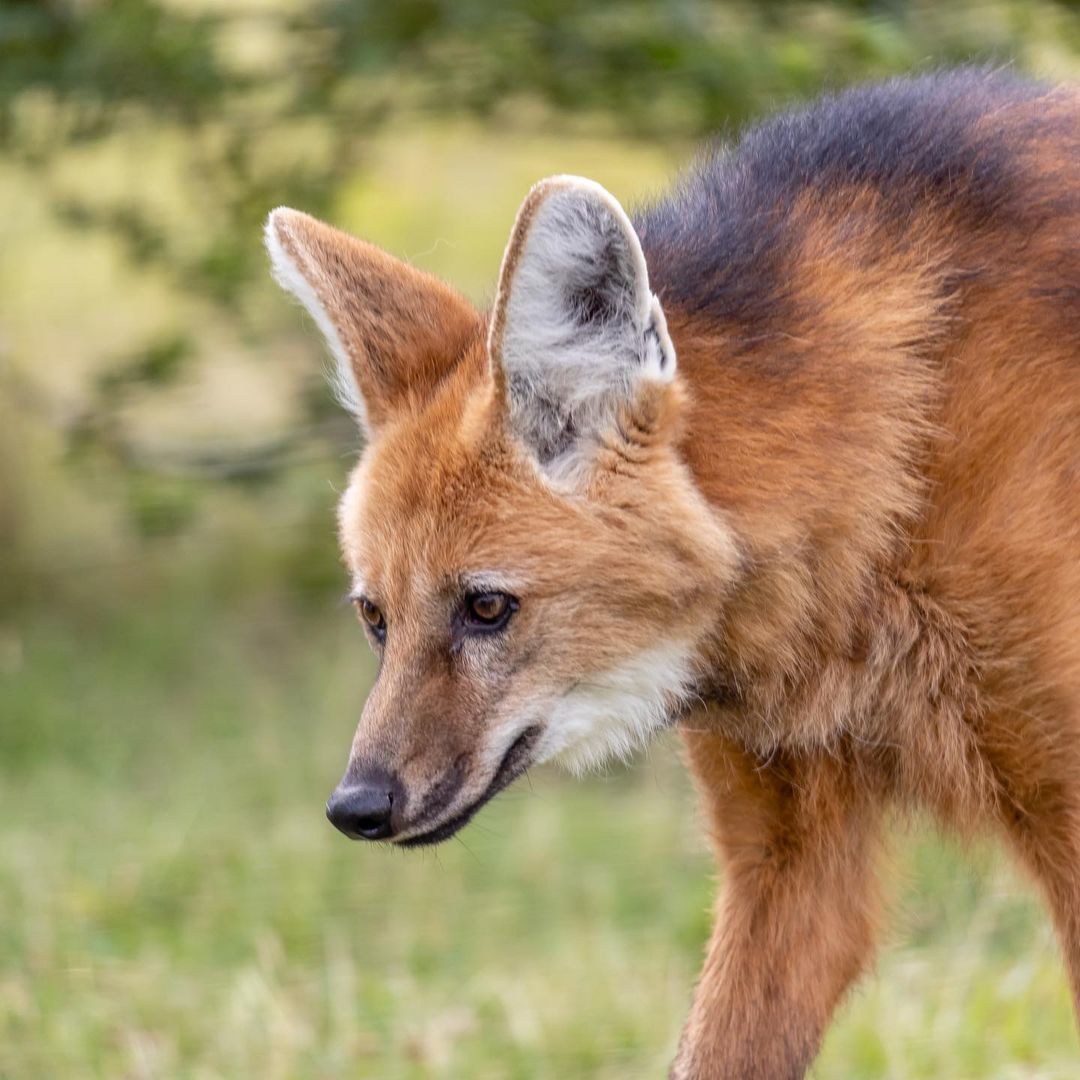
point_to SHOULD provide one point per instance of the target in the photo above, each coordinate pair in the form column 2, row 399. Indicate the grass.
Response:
column 174, row 904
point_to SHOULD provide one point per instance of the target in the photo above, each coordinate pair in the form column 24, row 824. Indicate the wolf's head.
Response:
column 528, row 554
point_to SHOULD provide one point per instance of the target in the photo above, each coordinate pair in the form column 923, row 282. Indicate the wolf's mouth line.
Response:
column 515, row 761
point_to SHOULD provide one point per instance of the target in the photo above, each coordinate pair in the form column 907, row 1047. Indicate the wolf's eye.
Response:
column 488, row 610
column 372, row 615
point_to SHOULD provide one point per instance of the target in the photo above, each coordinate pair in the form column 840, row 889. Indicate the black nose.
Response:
column 362, row 805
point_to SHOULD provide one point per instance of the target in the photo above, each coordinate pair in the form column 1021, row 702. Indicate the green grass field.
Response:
column 175, row 905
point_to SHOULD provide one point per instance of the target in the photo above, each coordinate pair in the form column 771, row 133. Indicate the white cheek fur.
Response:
column 617, row 711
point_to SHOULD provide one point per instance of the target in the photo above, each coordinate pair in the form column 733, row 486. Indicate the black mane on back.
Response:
column 719, row 241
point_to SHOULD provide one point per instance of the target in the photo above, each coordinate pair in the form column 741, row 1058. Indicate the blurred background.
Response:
column 179, row 682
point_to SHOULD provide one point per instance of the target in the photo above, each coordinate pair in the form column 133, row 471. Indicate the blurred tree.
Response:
column 272, row 101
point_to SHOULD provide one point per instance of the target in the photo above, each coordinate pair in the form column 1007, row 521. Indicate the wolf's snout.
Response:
column 362, row 806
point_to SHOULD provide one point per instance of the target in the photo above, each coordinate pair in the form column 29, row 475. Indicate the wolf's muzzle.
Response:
column 514, row 763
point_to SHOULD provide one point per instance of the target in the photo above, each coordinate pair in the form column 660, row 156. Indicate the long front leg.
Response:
column 796, row 916
column 1039, row 806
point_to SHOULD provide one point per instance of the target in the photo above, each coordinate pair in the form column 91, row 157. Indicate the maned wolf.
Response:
column 791, row 460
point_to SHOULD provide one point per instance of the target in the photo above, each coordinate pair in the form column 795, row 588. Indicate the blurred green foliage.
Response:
column 274, row 101
column 233, row 77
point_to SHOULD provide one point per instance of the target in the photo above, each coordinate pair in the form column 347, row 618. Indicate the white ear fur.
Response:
column 576, row 327
column 298, row 280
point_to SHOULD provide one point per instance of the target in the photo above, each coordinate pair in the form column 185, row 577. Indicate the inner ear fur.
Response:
column 575, row 331
column 394, row 331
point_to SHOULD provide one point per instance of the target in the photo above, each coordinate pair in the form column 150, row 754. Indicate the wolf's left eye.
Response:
column 488, row 610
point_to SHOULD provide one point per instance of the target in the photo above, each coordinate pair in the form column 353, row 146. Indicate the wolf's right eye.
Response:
column 372, row 616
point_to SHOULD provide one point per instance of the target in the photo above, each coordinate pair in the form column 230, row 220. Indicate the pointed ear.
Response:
column 576, row 329
column 393, row 330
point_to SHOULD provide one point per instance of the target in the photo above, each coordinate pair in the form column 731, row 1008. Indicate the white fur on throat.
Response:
column 581, row 326
column 300, row 282
column 618, row 711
